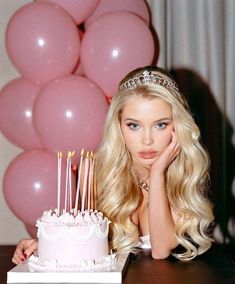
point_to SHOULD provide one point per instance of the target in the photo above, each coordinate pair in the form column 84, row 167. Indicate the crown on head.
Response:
column 147, row 77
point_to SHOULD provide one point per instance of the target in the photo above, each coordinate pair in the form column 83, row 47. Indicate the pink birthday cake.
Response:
column 73, row 240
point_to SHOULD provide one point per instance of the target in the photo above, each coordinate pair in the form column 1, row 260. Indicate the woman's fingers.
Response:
column 24, row 249
column 33, row 247
column 17, row 260
column 18, row 256
column 168, row 155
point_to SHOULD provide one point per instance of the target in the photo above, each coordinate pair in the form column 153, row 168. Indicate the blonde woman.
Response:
column 152, row 169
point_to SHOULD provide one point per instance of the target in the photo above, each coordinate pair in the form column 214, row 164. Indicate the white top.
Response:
column 145, row 242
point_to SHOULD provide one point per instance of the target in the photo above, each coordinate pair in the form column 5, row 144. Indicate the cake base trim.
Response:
column 107, row 263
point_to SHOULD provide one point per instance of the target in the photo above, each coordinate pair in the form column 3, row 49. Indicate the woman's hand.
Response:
column 24, row 249
column 166, row 156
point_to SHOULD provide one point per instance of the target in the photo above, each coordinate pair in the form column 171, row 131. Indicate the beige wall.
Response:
column 11, row 228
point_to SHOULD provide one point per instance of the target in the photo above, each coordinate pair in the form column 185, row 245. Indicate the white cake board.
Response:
column 21, row 274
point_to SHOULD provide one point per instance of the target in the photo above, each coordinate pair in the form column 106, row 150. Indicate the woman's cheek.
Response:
column 166, row 139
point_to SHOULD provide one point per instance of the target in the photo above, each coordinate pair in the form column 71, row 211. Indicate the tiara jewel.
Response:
column 147, row 77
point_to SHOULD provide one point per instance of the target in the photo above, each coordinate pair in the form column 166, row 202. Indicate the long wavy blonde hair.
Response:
column 186, row 177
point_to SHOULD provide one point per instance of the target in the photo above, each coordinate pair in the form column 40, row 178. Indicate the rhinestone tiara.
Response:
column 147, row 77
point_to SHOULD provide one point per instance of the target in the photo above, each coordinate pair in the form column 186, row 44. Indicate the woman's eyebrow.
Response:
column 132, row 119
column 160, row 119
column 164, row 118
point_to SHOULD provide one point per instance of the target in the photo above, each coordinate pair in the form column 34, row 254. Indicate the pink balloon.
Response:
column 137, row 7
column 114, row 45
column 16, row 110
column 79, row 69
column 69, row 114
column 30, row 184
column 43, row 42
column 78, row 9
column 32, row 230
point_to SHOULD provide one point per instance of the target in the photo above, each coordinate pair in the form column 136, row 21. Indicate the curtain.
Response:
column 197, row 43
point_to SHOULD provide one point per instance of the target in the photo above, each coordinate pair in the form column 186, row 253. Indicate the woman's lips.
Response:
column 148, row 154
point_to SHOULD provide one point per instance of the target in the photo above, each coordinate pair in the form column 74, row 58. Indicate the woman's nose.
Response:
column 147, row 138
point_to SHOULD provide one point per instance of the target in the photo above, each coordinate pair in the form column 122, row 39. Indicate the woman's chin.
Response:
column 145, row 162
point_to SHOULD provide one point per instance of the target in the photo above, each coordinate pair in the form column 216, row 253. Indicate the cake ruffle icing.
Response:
column 75, row 241
column 107, row 263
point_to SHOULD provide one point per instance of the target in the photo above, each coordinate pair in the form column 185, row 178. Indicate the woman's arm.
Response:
column 161, row 217
column 161, row 222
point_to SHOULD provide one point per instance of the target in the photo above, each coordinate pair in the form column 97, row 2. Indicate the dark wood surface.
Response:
column 214, row 267
column 6, row 253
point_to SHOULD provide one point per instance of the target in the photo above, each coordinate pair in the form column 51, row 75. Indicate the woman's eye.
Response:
column 133, row 125
column 161, row 125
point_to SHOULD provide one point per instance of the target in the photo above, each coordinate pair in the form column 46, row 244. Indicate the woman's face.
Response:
column 147, row 128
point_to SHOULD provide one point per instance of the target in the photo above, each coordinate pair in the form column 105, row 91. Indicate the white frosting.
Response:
column 107, row 263
column 79, row 218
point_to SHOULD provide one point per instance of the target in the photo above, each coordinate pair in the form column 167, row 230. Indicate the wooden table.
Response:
column 6, row 253
column 214, row 267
